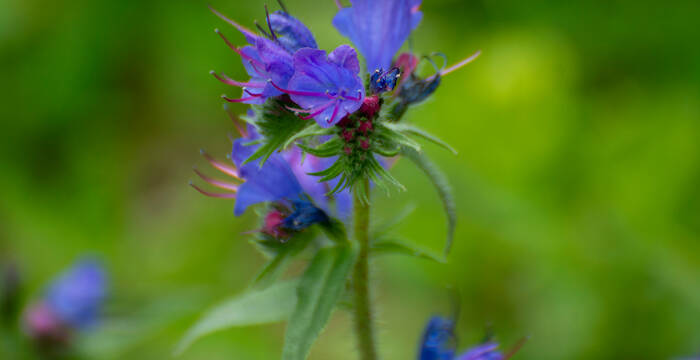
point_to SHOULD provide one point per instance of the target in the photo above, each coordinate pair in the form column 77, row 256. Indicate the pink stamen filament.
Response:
column 338, row 4
column 215, row 195
column 240, row 28
column 458, row 65
column 252, row 97
column 300, row 93
column 221, row 167
column 335, row 112
column 218, row 183
column 515, row 348
column 318, row 110
column 237, row 50
column 227, row 80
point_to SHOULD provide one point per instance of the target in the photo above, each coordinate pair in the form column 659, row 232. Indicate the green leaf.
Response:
column 395, row 246
column 273, row 304
column 319, row 289
column 416, row 131
column 397, row 218
column 335, row 230
column 277, row 125
column 443, row 188
column 313, row 130
column 280, row 256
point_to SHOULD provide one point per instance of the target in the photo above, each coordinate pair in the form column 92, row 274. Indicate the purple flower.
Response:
column 439, row 341
column 72, row 301
column 271, row 182
column 340, row 203
column 76, row 296
column 267, row 58
column 378, row 28
column 326, row 87
column 282, row 179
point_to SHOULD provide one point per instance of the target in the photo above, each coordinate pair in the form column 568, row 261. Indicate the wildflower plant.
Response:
column 321, row 134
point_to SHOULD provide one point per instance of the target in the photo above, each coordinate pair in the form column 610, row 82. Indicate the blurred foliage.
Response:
column 577, row 179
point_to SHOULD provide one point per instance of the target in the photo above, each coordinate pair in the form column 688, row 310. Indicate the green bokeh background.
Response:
column 577, row 179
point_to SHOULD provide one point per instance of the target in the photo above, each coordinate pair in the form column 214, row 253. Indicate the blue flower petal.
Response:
column 77, row 295
column 438, row 340
column 378, row 28
column 291, row 33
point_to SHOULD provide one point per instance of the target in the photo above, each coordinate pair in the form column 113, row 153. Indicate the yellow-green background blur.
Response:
column 577, row 180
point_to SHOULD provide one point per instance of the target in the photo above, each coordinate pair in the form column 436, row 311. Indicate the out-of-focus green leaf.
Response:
column 319, row 290
column 273, row 304
column 387, row 246
column 280, row 256
column 335, row 230
column 443, row 188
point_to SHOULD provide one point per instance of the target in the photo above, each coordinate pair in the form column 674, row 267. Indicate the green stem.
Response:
column 364, row 329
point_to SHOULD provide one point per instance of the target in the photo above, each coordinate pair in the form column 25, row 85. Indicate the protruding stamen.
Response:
column 316, row 111
column 227, row 80
column 459, row 64
column 269, row 24
column 242, row 130
column 260, row 28
column 284, row 8
column 253, row 97
column 215, row 195
column 338, row 4
column 300, row 93
column 237, row 50
column 221, row 167
column 515, row 348
column 218, row 183
column 335, row 112
column 240, row 28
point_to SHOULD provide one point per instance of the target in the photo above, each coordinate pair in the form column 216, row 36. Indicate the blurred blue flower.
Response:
column 378, row 28
column 72, row 302
column 326, row 87
column 439, row 343
column 76, row 296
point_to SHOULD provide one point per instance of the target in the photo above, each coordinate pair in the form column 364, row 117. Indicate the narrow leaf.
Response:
column 443, row 188
column 319, row 290
column 396, row 246
column 416, row 131
column 273, row 304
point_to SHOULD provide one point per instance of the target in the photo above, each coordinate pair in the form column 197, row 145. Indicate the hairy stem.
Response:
column 364, row 329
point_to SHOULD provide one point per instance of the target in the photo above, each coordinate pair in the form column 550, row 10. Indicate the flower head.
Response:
column 326, row 86
column 378, row 28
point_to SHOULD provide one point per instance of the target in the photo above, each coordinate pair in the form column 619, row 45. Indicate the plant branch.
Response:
column 363, row 318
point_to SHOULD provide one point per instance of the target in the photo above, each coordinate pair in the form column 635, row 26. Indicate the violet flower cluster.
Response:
column 289, row 74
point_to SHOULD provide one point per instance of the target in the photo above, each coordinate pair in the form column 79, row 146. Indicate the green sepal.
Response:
column 418, row 132
column 328, row 149
column 277, row 125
